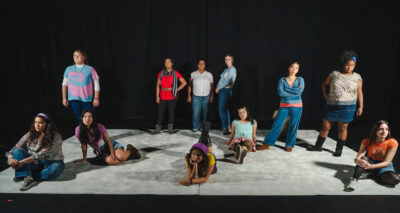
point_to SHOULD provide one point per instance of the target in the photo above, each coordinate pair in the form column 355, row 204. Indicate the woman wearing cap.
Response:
column 345, row 88
column 38, row 154
column 200, row 165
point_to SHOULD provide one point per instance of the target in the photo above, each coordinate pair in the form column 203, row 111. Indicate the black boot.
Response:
column 205, row 137
column 339, row 148
column 318, row 144
column 157, row 130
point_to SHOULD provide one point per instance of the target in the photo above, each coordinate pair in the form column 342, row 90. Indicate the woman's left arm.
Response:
column 254, row 132
column 388, row 158
column 183, row 84
column 360, row 97
column 106, row 138
column 204, row 179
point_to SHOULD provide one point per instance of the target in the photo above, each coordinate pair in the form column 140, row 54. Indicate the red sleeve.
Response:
column 158, row 76
column 178, row 75
column 393, row 143
column 365, row 142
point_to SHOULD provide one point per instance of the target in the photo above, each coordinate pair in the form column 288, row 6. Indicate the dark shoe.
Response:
column 339, row 148
column 29, row 182
column 236, row 149
column 288, row 149
column 135, row 154
column 18, row 179
column 205, row 137
column 318, row 145
column 243, row 153
column 171, row 129
column 263, row 147
column 157, row 129
column 225, row 132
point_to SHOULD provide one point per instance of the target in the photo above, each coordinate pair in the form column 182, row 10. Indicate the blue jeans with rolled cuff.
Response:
column 40, row 170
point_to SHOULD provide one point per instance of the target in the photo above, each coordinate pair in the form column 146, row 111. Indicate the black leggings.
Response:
column 162, row 106
column 387, row 178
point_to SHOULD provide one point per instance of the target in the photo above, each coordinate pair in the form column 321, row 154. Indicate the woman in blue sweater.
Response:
column 290, row 89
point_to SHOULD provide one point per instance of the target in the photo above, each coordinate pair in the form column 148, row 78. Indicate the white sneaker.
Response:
column 353, row 185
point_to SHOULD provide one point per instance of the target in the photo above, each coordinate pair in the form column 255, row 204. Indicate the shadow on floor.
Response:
column 343, row 172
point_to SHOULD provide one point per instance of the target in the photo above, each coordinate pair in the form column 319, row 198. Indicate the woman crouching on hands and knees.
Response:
column 381, row 148
column 106, row 149
column 200, row 165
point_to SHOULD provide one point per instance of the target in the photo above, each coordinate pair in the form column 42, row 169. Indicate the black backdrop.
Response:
column 127, row 41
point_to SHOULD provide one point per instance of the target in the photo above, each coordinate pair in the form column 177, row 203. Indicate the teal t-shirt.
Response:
column 243, row 129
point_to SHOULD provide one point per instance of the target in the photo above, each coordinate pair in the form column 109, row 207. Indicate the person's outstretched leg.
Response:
column 273, row 134
column 196, row 106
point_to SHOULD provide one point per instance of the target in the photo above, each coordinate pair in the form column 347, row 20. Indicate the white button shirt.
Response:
column 201, row 82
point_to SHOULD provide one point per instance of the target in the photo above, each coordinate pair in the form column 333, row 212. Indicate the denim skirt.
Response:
column 340, row 113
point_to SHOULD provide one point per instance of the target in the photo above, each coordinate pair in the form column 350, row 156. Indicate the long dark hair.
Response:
column 202, row 166
column 84, row 131
column 375, row 128
column 50, row 130
column 248, row 118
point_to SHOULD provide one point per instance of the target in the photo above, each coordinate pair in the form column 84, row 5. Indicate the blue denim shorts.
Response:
column 389, row 168
column 105, row 151
column 340, row 113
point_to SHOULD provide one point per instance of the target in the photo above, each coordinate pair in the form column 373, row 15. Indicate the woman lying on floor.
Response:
column 381, row 148
column 200, row 165
column 243, row 135
column 105, row 149
column 38, row 154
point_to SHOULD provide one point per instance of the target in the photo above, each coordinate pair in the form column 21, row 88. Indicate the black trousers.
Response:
column 162, row 107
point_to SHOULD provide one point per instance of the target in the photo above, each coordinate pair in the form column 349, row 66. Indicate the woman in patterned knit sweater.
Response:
column 38, row 154
column 345, row 88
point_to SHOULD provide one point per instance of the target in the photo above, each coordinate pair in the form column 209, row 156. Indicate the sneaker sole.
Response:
column 242, row 155
column 237, row 151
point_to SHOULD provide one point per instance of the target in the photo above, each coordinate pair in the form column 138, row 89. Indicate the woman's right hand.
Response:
column 65, row 102
column 81, row 160
column 158, row 100
column 13, row 163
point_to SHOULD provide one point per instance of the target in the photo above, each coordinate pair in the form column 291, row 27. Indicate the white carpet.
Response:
column 270, row 172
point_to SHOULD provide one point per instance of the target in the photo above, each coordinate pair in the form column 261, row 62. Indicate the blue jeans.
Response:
column 199, row 105
column 43, row 170
column 105, row 150
column 224, row 96
column 79, row 106
column 294, row 121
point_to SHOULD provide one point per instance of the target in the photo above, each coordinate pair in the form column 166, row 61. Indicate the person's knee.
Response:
column 325, row 128
column 390, row 178
column 19, row 154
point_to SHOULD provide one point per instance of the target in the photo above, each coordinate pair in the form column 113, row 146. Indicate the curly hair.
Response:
column 347, row 56
column 202, row 166
column 93, row 130
column 50, row 131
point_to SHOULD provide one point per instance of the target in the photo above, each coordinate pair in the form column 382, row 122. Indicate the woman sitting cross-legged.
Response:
column 38, row 154
column 106, row 149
